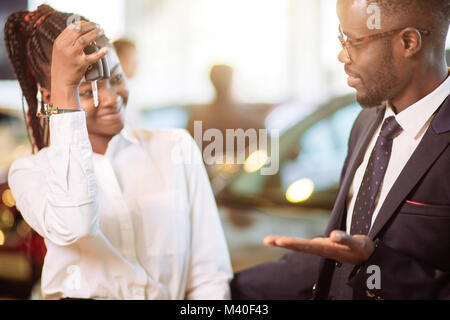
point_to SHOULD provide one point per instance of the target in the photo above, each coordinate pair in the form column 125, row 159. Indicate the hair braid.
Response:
column 29, row 38
column 16, row 46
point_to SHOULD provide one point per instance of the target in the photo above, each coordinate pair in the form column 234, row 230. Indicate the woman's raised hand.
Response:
column 69, row 62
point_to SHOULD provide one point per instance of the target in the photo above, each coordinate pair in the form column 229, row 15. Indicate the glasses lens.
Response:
column 341, row 34
column 343, row 38
column 347, row 53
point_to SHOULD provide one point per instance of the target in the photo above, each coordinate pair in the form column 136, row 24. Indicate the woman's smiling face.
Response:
column 109, row 117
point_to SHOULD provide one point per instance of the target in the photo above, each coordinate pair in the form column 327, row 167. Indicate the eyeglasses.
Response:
column 350, row 43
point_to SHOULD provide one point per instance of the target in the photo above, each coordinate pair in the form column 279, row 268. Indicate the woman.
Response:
column 125, row 214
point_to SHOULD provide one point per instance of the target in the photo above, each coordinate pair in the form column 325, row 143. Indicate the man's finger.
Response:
column 344, row 238
column 298, row 244
column 270, row 240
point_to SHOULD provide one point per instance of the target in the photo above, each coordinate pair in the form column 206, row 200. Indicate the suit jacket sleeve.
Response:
column 290, row 278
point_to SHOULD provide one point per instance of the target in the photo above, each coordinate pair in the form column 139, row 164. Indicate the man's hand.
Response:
column 339, row 246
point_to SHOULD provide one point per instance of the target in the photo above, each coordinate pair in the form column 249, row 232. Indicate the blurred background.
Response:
column 231, row 64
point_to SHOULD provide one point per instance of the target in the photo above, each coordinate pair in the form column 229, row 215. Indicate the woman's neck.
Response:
column 99, row 143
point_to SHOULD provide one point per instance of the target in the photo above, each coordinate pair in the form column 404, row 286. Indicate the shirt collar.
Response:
column 414, row 118
column 128, row 133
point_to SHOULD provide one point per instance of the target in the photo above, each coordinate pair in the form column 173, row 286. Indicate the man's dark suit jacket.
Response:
column 411, row 231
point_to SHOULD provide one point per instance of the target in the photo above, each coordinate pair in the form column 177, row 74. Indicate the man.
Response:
column 388, row 236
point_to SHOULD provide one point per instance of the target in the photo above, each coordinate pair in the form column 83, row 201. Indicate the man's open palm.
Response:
column 339, row 246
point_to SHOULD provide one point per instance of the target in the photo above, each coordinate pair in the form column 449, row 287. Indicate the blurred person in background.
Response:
column 128, row 56
column 224, row 112
column 121, row 217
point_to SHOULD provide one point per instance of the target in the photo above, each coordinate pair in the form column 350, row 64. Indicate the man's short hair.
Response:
column 429, row 14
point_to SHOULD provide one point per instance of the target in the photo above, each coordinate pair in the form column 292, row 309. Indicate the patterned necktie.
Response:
column 373, row 177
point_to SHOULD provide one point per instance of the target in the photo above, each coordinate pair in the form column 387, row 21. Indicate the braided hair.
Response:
column 29, row 38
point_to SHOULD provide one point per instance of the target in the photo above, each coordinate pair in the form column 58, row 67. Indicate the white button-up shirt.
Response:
column 415, row 121
column 139, row 222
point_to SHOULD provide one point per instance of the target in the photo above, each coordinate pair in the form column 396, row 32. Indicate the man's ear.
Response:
column 45, row 93
column 411, row 41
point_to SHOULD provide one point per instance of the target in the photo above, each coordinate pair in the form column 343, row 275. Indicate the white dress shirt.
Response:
column 415, row 121
column 139, row 222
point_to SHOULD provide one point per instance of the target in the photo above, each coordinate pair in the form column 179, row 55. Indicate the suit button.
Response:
column 314, row 288
column 338, row 264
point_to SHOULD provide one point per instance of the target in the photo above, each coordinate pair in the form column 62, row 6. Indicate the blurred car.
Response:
column 22, row 250
column 165, row 117
column 312, row 150
column 296, row 201
column 311, row 156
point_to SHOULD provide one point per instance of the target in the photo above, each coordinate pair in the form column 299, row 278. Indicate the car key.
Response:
column 95, row 92
column 97, row 71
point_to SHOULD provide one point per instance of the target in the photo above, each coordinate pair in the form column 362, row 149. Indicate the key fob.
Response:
column 106, row 72
column 98, row 70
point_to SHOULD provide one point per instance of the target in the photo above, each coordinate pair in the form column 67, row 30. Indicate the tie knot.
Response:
column 390, row 128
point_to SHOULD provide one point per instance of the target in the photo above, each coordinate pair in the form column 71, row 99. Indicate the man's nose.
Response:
column 343, row 57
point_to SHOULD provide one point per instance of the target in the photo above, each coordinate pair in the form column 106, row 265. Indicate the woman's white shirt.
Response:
column 139, row 222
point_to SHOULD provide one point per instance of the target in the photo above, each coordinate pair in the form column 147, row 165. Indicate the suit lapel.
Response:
column 355, row 160
column 339, row 210
column 434, row 142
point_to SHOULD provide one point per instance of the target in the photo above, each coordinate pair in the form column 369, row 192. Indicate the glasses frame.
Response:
column 346, row 44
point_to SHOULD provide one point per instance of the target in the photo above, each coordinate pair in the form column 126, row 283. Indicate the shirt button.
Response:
column 338, row 264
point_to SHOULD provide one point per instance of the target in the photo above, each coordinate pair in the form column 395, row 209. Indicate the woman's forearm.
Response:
column 59, row 200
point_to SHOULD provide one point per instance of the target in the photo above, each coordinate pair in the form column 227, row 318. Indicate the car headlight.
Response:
column 256, row 161
column 300, row 190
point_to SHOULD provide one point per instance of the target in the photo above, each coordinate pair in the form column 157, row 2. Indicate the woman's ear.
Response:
column 45, row 94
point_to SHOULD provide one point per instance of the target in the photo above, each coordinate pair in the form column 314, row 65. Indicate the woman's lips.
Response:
column 112, row 116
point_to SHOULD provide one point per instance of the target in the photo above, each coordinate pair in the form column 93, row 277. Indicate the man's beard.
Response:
column 379, row 87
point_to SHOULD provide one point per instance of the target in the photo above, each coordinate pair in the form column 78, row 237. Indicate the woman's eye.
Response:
column 117, row 78
column 86, row 93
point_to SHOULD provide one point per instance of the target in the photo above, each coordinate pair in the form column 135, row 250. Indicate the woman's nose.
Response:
column 109, row 97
